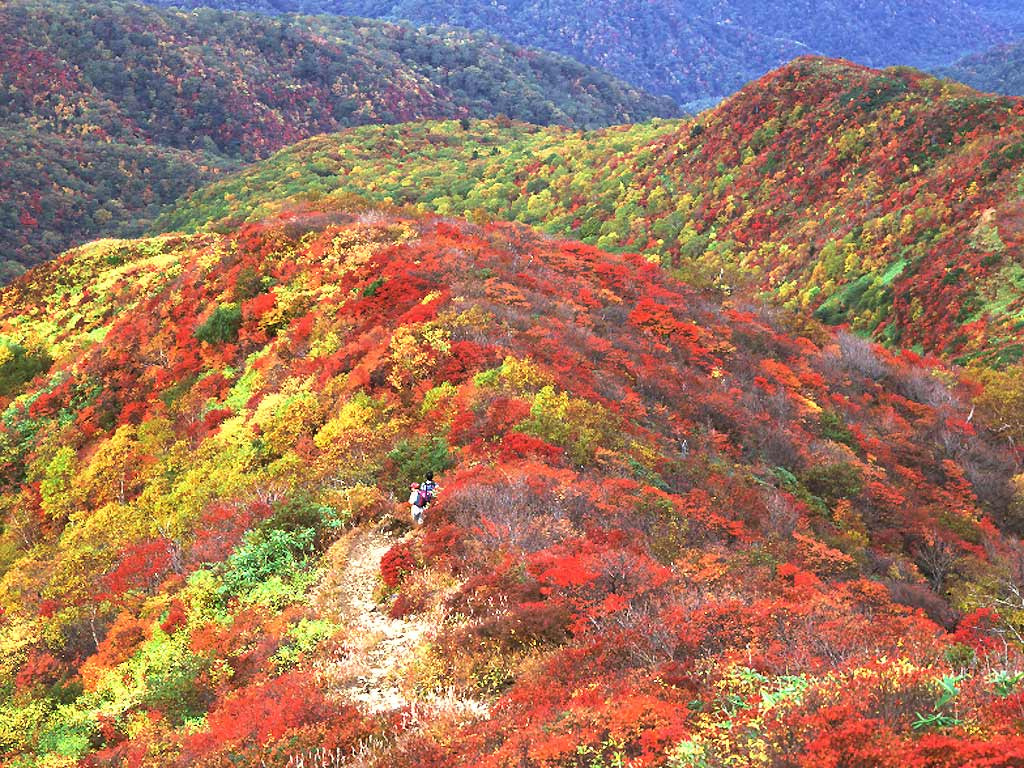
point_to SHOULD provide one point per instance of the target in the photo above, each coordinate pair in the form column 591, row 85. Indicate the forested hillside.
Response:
column 670, row 532
column 688, row 513
column 889, row 201
column 704, row 48
column 999, row 70
column 109, row 110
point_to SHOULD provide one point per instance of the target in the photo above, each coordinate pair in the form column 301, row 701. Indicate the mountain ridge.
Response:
column 654, row 506
column 709, row 48
column 111, row 110
column 997, row 70
column 856, row 194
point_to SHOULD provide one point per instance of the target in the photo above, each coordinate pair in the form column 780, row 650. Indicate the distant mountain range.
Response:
column 888, row 200
column 109, row 110
column 998, row 70
column 703, row 48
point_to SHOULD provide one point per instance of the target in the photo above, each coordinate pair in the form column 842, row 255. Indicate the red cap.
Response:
column 415, row 485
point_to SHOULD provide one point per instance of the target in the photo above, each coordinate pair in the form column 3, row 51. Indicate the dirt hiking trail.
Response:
column 371, row 668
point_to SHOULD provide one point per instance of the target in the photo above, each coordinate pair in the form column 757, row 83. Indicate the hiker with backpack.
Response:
column 417, row 502
column 429, row 487
column 420, row 496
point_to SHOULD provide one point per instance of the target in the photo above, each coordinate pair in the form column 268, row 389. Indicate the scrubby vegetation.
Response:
column 673, row 531
column 109, row 110
column 887, row 201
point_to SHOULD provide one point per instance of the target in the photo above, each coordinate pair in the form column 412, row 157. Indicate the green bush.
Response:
column 832, row 482
column 413, row 458
column 174, row 688
column 372, row 288
column 301, row 513
column 264, row 554
column 833, row 427
column 19, row 366
column 959, row 656
column 249, row 284
column 222, row 325
column 67, row 739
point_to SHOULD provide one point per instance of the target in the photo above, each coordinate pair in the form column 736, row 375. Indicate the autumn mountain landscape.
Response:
column 702, row 49
column 726, row 407
column 111, row 110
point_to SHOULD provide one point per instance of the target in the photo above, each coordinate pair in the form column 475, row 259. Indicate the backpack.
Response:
column 422, row 498
column 428, row 489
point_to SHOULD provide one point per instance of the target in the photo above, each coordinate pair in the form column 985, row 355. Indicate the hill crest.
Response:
column 886, row 200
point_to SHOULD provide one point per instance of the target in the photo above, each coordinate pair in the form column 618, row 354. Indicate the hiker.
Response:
column 429, row 487
column 417, row 503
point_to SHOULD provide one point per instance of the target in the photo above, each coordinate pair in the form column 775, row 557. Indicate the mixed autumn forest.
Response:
column 109, row 111
column 702, row 49
column 693, row 517
column 726, row 410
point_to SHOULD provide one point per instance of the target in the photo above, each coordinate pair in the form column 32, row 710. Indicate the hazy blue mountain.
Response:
column 997, row 70
column 704, row 48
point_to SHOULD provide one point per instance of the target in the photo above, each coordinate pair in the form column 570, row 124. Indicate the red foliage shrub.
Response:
column 256, row 307
column 259, row 713
column 520, row 446
column 176, row 618
column 504, row 413
column 247, row 643
column 441, row 545
column 978, row 630
column 604, row 583
column 840, row 737
column 421, row 313
column 40, row 668
column 396, row 564
column 122, row 639
column 141, row 566
column 215, row 417
column 125, row 755
column 406, row 604
column 464, row 359
column 220, row 529
column 132, row 413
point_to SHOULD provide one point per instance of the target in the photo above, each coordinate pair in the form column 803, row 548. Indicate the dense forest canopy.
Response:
column 109, row 110
column 889, row 201
column 998, row 70
column 704, row 49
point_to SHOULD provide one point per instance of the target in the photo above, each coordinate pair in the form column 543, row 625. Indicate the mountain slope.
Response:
column 890, row 201
column 999, row 70
column 670, row 532
column 109, row 110
column 703, row 48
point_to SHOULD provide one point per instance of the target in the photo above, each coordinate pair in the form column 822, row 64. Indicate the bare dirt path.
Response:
column 371, row 668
